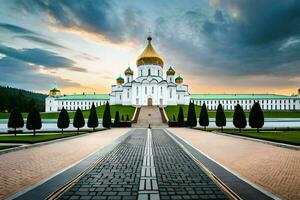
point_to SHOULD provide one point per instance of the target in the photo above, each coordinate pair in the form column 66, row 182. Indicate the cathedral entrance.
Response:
column 149, row 101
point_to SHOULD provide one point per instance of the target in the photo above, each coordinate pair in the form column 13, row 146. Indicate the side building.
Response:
column 266, row 101
column 55, row 101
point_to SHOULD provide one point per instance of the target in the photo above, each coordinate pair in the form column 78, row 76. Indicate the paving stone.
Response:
column 177, row 173
column 117, row 176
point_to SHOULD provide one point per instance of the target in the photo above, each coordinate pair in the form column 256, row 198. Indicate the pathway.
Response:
column 145, row 166
column 24, row 168
column 149, row 115
column 276, row 169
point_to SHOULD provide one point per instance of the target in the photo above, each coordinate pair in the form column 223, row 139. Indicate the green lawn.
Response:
column 123, row 110
column 288, row 137
column 31, row 139
column 7, row 146
column 173, row 110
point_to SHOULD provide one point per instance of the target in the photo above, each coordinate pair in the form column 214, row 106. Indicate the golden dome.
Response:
column 54, row 92
column 120, row 80
column 128, row 71
column 149, row 56
column 179, row 79
column 170, row 71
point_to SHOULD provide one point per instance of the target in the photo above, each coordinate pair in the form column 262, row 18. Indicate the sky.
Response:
column 217, row 46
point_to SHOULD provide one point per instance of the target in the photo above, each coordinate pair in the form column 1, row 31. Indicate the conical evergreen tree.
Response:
column 220, row 117
column 78, row 121
column 15, row 120
column 256, row 117
column 117, row 119
column 34, row 121
column 239, row 117
column 174, row 118
column 203, row 118
column 192, row 119
column 93, row 118
column 63, row 120
column 107, row 116
column 180, row 117
column 122, row 118
column 127, row 118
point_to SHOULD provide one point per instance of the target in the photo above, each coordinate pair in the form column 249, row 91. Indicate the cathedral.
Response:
column 155, row 85
column 152, row 85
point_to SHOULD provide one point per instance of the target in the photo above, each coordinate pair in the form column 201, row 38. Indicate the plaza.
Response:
column 157, row 163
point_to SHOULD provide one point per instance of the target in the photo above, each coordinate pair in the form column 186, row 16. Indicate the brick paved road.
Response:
column 24, row 168
column 275, row 169
column 120, row 174
column 117, row 177
column 177, row 174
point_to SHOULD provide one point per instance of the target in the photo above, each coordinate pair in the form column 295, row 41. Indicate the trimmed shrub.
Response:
column 93, row 118
column 180, row 117
column 256, row 117
column 63, row 120
column 78, row 120
column 106, row 116
column 220, row 117
column 203, row 118
column 34, row 121
column 239, row 117
column 15, row 120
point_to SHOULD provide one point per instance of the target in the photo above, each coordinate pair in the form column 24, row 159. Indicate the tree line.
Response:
column 256, row 117
column 24, row 101
column 34, row 121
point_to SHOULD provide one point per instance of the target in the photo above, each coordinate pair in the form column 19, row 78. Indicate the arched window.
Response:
column 149, row 72
column 152, row 90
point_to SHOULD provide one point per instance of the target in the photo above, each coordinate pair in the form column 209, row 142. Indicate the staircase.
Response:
column 149, row 115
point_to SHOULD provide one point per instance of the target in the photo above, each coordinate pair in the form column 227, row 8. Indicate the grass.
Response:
column 287, row 137
column 31, row 139
column 123, row 110
column 7, row 146
column 170, row 110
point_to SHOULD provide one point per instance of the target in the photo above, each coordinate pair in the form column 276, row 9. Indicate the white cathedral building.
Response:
column 154, row 87
column 151, row 87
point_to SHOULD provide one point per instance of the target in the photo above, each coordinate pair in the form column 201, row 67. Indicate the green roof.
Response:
column 179, row 78
column 237, row 96
column 85, row 97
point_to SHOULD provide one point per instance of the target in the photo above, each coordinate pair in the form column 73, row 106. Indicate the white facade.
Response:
column 72, row 102
column 150, row 88
column 267, row 101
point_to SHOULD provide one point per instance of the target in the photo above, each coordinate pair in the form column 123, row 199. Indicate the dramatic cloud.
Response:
column 237, row 38
column 92, row 16
column 223, row 40
column 42, row 57
column 41, row 41
column 27, row 76
column 16, row 29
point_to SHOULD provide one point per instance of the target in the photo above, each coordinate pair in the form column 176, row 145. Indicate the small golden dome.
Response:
column 179, row 79
column 54, row 92
column 149, row 56
column 170, row 71
column 120, row 80
column 128, row 71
